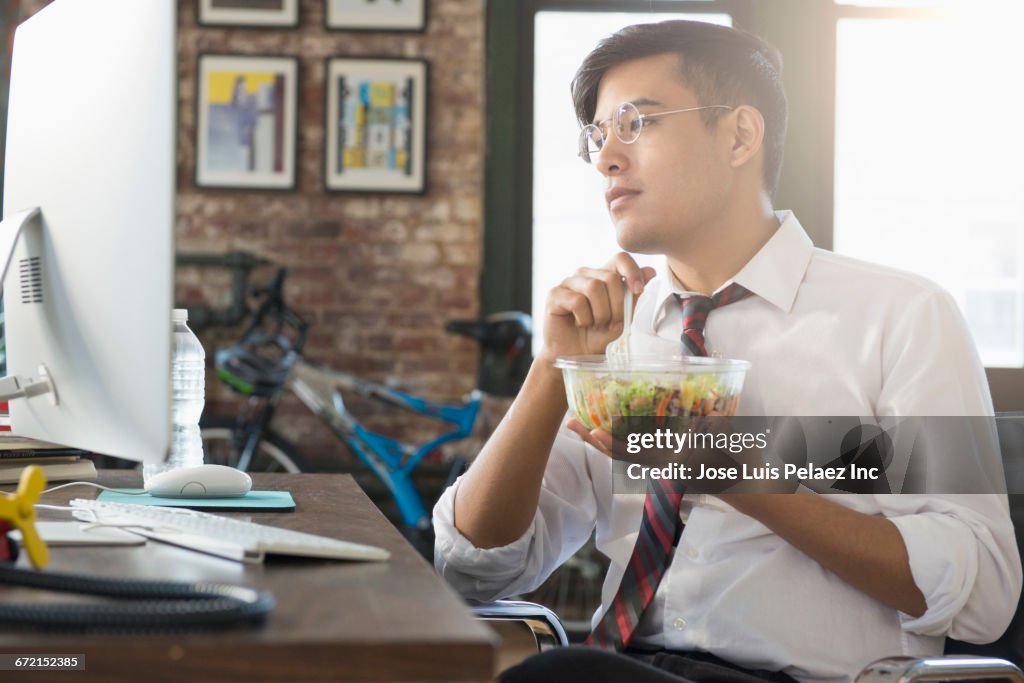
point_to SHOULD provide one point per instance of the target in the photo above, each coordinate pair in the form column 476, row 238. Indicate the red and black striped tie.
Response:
column 695, row 314
column 661, row 527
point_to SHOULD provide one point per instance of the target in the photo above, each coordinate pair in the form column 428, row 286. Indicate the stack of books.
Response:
column 58, row 463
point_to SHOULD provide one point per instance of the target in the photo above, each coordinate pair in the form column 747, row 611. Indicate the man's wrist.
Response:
column 546, row 361
column 544, row 377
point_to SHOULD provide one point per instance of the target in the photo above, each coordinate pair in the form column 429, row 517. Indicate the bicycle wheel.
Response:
column 222, row 445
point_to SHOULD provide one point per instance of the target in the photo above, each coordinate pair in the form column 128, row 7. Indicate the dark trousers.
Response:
column 590, row 665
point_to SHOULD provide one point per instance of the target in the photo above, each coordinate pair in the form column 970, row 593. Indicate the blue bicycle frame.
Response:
column 391, row 460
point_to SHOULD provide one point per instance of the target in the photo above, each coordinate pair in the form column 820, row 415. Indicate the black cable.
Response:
column 141, row 605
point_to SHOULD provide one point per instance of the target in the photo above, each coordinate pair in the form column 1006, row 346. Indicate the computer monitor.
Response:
column 88, row 296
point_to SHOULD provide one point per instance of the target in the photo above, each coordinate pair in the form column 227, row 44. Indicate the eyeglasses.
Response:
column 627, row 122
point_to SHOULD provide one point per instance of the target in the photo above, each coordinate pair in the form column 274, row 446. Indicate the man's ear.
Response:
column 747, row 135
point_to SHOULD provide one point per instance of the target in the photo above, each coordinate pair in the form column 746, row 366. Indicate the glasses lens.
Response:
column 627, row 122
column 591, row 142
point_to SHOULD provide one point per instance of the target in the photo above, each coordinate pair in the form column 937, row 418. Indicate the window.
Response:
column 887, row 3
column 901, row 147
column 927, row 170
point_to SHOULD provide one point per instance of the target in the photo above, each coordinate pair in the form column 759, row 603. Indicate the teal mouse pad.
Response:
column 254, row 500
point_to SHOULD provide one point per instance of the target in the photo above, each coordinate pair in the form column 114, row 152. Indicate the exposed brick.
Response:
column 316, row 230
column 461, row 254
column 456, row 300
column 438, row 279
column 468, row 209
column 378, row 275
column 420, row 253
column 426, row 364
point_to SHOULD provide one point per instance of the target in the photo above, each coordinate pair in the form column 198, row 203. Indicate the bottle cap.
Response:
column 179, row 315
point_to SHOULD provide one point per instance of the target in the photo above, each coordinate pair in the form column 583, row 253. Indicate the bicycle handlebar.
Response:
column 279, row 313
column 276, row 335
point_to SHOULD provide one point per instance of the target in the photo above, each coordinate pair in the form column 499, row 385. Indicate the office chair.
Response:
column 966, row 661
column 961, row 661
column 542, row 623
column 534, row 628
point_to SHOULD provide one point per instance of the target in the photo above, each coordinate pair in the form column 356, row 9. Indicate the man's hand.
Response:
column 499, row 495
column 598, row 438
column 584, row 313
column 694, row 458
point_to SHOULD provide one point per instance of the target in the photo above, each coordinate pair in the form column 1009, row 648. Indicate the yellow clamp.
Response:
column 18, row 508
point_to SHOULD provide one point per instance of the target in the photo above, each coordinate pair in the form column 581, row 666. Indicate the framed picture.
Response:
column 246, row 121
column 248, row 13
column 376, row 15
column 376, row 125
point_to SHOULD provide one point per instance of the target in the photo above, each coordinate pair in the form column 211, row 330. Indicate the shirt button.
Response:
column 692, row 553
column 679, row 623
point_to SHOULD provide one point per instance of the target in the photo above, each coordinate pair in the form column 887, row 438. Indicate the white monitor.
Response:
column 88, row 295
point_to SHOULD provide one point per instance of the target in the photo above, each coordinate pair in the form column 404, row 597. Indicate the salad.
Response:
column 595, row 402
column 651, row 388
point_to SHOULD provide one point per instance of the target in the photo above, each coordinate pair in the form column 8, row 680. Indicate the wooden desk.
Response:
column 337, row 621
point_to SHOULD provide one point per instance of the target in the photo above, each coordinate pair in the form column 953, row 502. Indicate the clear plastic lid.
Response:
column 179, row 315
column 680, row 363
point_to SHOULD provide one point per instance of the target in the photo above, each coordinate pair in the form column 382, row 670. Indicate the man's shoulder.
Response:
column 857, row 277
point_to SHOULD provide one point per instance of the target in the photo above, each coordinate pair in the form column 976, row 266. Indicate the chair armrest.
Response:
column 949, row 668
column 545, row 624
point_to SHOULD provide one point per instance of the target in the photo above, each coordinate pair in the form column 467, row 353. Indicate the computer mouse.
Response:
column 203, row 481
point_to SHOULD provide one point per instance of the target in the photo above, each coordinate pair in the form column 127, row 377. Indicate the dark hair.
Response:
column 721, row 65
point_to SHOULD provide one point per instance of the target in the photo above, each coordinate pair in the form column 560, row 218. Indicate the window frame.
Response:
column 804, row 32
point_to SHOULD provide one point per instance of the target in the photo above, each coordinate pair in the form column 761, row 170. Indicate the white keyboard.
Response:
column 217, row 535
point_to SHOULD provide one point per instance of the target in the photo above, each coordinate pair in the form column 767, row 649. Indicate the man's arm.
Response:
column 866, row 551
column 499, row 494
column 962, row 548
column 498, row 497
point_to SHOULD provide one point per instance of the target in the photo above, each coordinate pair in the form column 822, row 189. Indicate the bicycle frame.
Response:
column 267, row 361
column 320, row 389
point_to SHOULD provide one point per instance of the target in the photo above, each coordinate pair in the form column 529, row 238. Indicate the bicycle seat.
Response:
column 504, row 330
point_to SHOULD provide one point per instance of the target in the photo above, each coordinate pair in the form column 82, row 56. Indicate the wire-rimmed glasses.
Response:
column 627, row 123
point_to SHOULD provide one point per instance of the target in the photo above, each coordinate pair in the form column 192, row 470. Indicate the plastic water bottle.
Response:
column 188, row 395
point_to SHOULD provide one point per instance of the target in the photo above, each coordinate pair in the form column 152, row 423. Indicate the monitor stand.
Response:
column 13, row 386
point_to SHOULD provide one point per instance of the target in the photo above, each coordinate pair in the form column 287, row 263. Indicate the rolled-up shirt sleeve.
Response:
column 962, row 549
column 964, row 559
column 564, row 520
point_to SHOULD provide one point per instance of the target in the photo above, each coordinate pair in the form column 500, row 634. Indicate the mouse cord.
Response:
column 127, row 492
column 41, row 506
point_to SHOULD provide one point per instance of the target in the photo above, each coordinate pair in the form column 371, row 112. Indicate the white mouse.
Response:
column 204, row 481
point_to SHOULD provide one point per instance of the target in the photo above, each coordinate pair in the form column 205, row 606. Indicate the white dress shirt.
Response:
column 826, row 335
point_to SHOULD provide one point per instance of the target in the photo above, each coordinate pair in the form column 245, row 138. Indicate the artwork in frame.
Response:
column 376, row 125
column 265, row 13
column 246, row 122
column 376, row 15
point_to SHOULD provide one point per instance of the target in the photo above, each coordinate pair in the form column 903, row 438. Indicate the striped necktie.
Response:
column 695, row 314
column 661, row 527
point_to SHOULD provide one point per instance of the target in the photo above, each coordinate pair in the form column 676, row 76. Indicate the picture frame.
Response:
column 375, row 15
column 248, row 13
column 246, row 121
column 376, row 125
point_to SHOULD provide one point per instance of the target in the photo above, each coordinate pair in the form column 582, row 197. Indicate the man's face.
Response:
column 672, row 180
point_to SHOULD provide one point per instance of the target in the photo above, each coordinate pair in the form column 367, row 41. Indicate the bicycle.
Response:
column 267, row 363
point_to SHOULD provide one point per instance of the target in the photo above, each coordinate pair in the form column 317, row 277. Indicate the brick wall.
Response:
column 376, row 275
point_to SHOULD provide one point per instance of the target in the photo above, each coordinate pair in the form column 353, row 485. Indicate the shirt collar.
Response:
column 774, row 273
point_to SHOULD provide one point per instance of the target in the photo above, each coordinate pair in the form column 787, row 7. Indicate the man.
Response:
column 686, row 123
